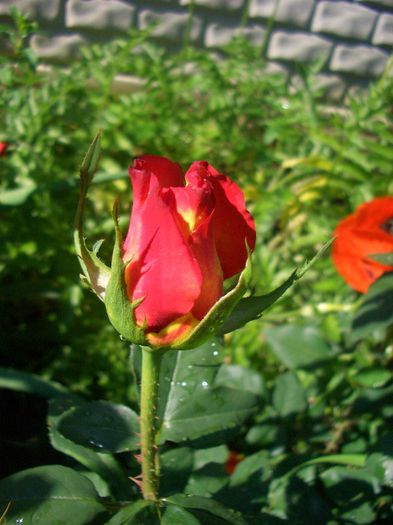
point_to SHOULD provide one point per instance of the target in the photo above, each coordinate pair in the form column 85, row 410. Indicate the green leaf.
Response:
column 376, row 311
column 218, row 454
column 17, row 196
column 176, row 465
column 174, row 515
column 208, row 505
column 294, row 497
column 380, row 462
column 298, row 346
column 215, row 410
column 372, row 377
column 50, row 495
column 198, row 408
column 236, row 376
column 104, row 465
column 353, row 491
column 33, row 384
column 183, row 373
column 207, row 480
column 351, row 460
column 103, row 426
column 246, row 489
column 381, row 466
column 139, row 513
column 289, row 398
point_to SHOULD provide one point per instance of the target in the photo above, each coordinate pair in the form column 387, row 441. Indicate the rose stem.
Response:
column 151, row 361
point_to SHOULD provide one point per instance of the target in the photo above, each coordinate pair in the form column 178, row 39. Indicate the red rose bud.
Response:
column 367, row 232
column 186, row 235
column 3, row 148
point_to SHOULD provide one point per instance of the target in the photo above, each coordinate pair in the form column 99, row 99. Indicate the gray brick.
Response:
column 327, row 85
column 285, row 45
column 170, row 23
column 359, row 60
column 295, row 12
column 344, row 19
column 331, row 85
column 218, row 34
column 99, row 14
column 275, row 68
column 230, row 5
column 383, row 34
column 35, row 9
column 59, row 48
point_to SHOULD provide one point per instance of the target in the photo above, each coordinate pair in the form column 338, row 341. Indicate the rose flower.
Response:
column 187, row 234
column 366, row 232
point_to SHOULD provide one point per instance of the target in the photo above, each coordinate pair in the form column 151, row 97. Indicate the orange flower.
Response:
column 366, row 232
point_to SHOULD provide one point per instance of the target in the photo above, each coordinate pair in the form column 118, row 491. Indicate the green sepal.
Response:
column 119, row 308
column 383, row 258
column 217, row 315
column 252, row 308
column 96, row 273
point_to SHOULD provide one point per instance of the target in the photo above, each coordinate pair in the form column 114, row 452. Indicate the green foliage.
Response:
column 304, row 396
column 51, row 494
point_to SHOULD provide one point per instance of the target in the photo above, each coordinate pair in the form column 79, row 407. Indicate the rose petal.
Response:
column 162, row 268
column 168, row 173
column 194, row 206
column 232, row 223
column 175, row 331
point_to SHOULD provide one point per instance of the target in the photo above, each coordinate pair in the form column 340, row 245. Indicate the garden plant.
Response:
column 219, row 361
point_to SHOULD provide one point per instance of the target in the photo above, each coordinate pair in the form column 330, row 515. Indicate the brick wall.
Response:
column 353, row 38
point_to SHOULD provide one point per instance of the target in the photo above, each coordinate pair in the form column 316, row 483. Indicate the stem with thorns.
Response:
column 151, row 362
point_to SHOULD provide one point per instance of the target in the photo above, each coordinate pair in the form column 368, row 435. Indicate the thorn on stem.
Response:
column 137, row 480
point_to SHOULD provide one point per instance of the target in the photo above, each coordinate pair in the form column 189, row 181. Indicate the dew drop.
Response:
column 183, row 383
column 205, row 384
column 19, row 520
column 215, row 352
column 95, row 444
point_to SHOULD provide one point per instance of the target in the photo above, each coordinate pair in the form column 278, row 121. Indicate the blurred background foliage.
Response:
column 303, row 165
